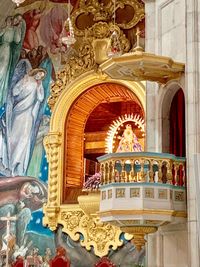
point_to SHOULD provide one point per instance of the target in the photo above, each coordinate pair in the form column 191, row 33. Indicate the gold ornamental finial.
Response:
column 138, row 48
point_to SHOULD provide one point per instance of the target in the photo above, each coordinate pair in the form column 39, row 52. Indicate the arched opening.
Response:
column 177, row 125
column 173, row 122
column 86, row 125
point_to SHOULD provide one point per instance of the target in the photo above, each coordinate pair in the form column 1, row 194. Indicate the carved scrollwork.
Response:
column 103, row 30
column 72, row 219
column 133, row 7
column 94, row 233
column 99, row 235
column 82, row 62
column 52, row 143
column 128, row 14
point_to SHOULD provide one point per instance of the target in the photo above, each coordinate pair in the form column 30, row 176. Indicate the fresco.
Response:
column 30, row 51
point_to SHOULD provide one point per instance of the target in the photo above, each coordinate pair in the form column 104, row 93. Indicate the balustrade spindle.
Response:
column 142, row 174
column 169, row 172
column 127, row 175
column 151, row 172
column 110, row 171
column 113, row 171
column 106, row 173
column 102, row 174
column 132, row 171
column 176, row 168
column 123, row 173
column 160, row 174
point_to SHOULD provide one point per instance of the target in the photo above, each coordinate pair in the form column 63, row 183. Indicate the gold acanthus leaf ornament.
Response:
column 87, row 50
column 78, row 64
column 127, row 13
column 97, row 235
column 102, row 30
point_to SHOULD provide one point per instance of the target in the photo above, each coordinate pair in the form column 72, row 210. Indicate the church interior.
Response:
column 99, row 133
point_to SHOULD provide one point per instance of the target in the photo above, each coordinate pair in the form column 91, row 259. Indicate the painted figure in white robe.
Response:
column 27, row 95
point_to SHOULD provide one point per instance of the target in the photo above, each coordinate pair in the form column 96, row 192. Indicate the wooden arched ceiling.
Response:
column 75, row 126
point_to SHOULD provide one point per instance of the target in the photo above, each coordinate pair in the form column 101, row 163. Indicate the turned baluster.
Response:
column 176, row 168
column 102, row 174
column 113, row 171
column 127, row 173
column 123, row 173
column 142, row 175
column 169, row 172
column 160, row 174
column 133, row 174
column 110, row 171
column 151, row 173
column 106, row 172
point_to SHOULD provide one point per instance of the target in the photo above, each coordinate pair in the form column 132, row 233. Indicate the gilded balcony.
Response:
column 141, row 191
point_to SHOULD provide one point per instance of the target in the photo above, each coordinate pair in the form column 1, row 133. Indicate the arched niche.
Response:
column 74, row 131
column 173, row 105
column 68, row 121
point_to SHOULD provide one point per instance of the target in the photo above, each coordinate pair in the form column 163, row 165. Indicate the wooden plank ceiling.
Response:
column 92, row 102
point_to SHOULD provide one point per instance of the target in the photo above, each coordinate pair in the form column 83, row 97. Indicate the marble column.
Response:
column 192, row 124
column 153, row 133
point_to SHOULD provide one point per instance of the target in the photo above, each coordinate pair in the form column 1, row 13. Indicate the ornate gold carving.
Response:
column 76, row 65
column 52, row 144
column 139, row 233
column 99, row 235
column 102, row 30
column 51, row 216
column 98, row 11
column 137, row 10
column 72, row 219
column 90, row 49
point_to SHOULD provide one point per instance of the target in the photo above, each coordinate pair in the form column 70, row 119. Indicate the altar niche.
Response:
column 87, row 124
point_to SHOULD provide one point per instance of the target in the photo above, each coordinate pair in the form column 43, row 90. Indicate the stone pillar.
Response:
column 150, row 25
column 153, row 134
column 192, row 124
column 151, row 33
